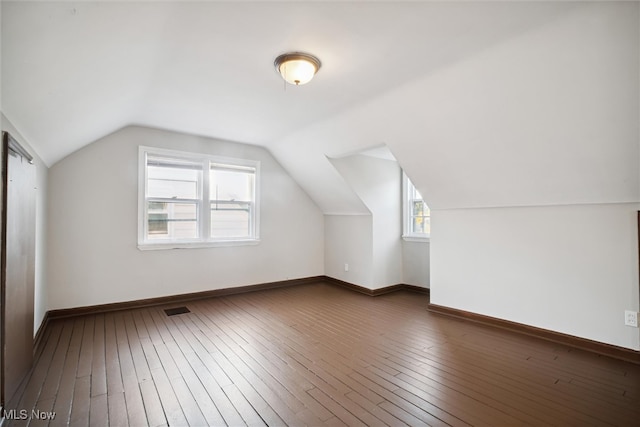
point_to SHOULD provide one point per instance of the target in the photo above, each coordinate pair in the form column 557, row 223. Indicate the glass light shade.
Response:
column 297, row 68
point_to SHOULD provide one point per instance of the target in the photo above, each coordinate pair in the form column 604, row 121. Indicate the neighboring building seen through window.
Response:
column 231, row 198
column 417, row 216
column 190, row 200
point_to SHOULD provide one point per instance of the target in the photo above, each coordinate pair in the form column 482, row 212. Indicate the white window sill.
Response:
column 195, row 245
column 414, row 238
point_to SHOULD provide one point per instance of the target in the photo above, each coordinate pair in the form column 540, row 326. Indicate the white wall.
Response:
column 416, row 263
column 93, row 255
column 549, row 118
column 378, row 184
column 349, row 240
column 373, row 240
column 571, row 269
column 41, row 279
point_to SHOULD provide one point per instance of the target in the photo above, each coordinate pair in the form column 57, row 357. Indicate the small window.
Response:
column 191, row 200
column 417, row 216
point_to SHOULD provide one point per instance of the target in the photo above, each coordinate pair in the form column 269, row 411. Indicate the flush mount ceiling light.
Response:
column 297, row 68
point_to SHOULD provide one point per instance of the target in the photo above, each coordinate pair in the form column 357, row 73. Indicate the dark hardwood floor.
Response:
column 316, row 354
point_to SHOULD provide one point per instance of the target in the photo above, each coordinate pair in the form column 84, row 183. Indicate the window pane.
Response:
column 230, row 184
column 415, row 194
column 426, row 225
column 418, row 215
column 418, row 208
column 172, row 178
column 158, row 224
column 229, row 219
column 172, row 220
column 418, row 225
column 158, row 218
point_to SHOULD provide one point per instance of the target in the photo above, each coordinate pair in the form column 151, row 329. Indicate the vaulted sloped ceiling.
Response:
column 547, row 116
column 483, row 104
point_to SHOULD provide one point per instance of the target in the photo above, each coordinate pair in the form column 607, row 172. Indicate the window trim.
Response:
column 203, row 222
column 407, row 235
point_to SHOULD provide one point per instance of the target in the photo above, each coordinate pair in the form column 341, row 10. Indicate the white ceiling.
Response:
column 73, row 72
column 483, row 104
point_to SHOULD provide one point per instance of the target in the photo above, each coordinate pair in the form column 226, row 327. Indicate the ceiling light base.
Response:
column 297, row 68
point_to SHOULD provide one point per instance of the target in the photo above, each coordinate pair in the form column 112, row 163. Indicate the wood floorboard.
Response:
column 217, row 395
column 301, row 354
column 501, row 378
column 51, row 382
column 279, row 381
column 112, row 360
column 172, row 409
column 491, row 373
column 562, row 370
column 528, row 403
column 98, row 361
column 213, row 363
column 81, row 402
column 316, row 354
column 347, row 369
column 99, row 411
column 64, row 398
column 251, row 385
column 338, row 386
column 86, row 351
column 204, row 401
column 133, row 397
column 402, row 415
column 290, row 373
column 475, row 383
column 333, row 325
column 117, row 414
column 34, row 385
column 45, row 406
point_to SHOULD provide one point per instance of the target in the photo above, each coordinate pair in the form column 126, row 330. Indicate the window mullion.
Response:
column 145, row 208
column 205, row 210
column 171, row 200
column 251, row 219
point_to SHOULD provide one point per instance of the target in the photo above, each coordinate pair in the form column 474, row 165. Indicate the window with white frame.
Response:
column 417, row 216
column 195, row 200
